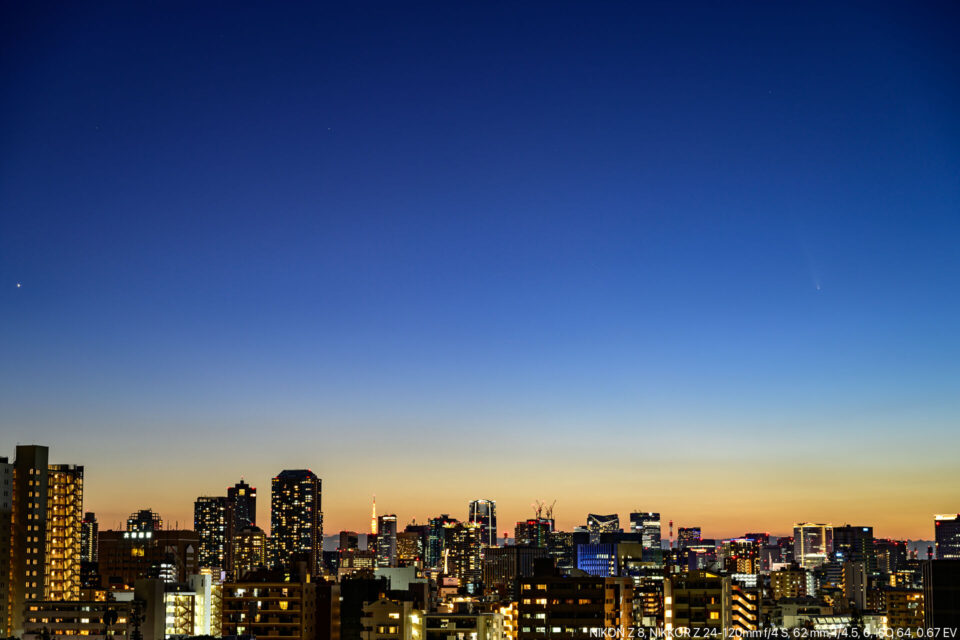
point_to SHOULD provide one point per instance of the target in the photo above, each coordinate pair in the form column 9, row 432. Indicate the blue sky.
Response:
column 442, row 231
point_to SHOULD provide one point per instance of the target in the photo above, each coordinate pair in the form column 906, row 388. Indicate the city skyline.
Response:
column 356, row 517
column 622, row 257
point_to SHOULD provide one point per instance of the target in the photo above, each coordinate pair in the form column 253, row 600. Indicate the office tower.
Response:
column 891, row 555
column 946, row 531
column 647, row 524
column 856, row 544
column 562, row 551
column 6, row 513
column 435, row 539
column 534, row 532
column 409, row 548
column 597, row 524
column 213, row 522
column 484, row 513
column 249, row 551
column 296, row 519
column 387, row 540
column 45, row 514
column 348, row 540
column 503, row 567
column 243, row 499
column 88, row 537
column 812, row 544
column 688, row 537
column 462, row 552
column 145, row 520
column 567, row 607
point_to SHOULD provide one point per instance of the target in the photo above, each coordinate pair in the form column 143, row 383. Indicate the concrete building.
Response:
column 249, row 551
column 903, row 608
column 464, row 626
column 503, row 567
column 128, row 556
column 387, row 540
column 693, row 600
column 386, row 619
column 296, row 519
column 788, row 582
column 266, row 606
column 572, row 607
column 213, row 520
column 46, row 509
column 243, row 502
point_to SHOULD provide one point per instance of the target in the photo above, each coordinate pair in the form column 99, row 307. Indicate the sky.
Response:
column 694, row 258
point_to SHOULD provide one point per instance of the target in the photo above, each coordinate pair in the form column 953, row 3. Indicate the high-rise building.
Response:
column 213, row 521
column 946, row 531
column 409, row 548
column 146, row 550
column 688, row 537
column 249, row 551
column 435, row 539
column 46, row 510
column 534, row 532
column 484, row 513
column 812, row 544
column 463, row 552
column 243, row 499
column 852, row 543
column 88, row 537
column 64, row 517
column 647, row 524
column 597, row 524
column 387, row 540
column 296, row 519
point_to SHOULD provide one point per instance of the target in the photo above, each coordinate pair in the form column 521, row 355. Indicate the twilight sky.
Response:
column 701, row 259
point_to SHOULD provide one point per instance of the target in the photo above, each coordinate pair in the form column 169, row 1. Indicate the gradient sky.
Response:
column 694, row 258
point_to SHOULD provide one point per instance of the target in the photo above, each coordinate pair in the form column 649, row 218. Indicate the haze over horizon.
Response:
column 693, row 259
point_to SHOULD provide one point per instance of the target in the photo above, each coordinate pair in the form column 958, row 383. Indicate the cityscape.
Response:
column 452, row 577
column 479, row 320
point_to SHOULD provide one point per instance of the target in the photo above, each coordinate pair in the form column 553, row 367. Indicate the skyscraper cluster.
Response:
column 62, row 574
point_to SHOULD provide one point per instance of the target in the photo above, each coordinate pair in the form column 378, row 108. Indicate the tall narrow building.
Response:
column 647, row 524
column 213, row 521
column 484, row 513
column 296, row 519
column 89, row 529
column 387, row 540
column 243, row 498
column 946, row 532
column 64, row 518
column 45, row 515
